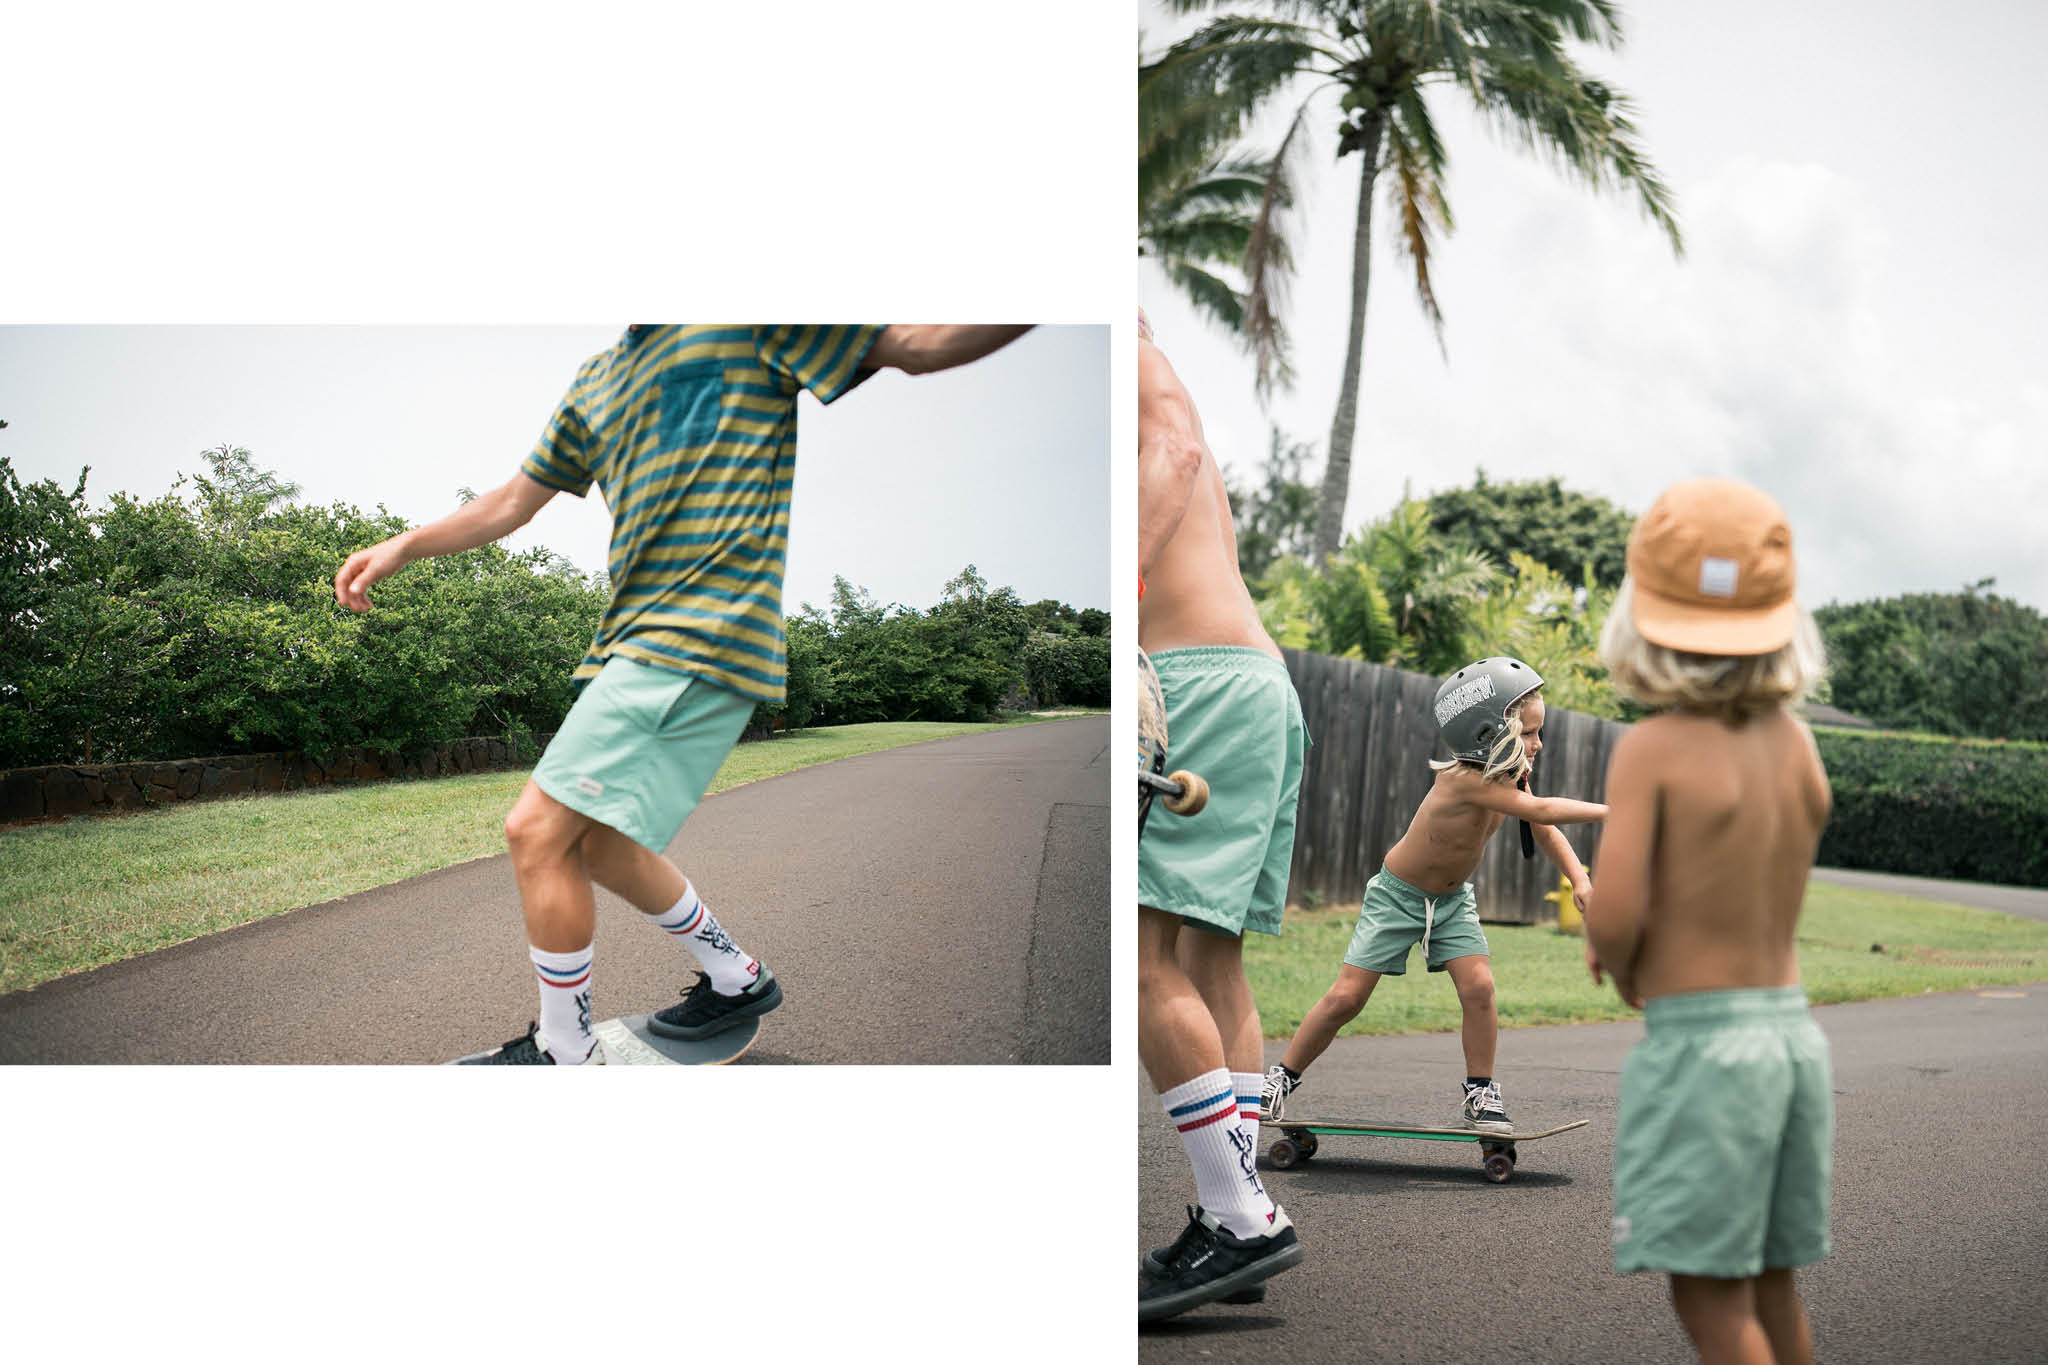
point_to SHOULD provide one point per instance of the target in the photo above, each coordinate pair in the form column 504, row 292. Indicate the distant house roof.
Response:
column 1817, row 714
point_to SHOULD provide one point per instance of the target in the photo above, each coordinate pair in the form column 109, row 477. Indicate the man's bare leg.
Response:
column 641, row 877
column 1214, row 964
column 1177, row 1036
column 545, row 839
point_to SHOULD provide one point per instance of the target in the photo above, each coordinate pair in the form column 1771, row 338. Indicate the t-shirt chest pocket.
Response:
column 692, row 396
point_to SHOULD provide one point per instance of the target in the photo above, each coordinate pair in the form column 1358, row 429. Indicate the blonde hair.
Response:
column 1506, row 760
column 1733, row 686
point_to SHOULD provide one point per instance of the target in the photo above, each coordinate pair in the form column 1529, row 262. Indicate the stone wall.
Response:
column 42, row 793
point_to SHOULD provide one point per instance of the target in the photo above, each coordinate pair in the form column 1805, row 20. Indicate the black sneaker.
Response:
column 704, row 1011
column 524, row 1050
column 1158, row 1259
column 1483, row 1109
column 1213, row 1263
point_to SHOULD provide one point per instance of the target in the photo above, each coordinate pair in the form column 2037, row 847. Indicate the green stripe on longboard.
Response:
column 1403, row 1130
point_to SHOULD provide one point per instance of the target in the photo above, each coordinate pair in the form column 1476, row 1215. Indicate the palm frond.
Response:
column 1269, row 262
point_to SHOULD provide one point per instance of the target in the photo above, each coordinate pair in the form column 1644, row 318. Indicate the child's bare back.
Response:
column 1713, row 829
column 1460, row 812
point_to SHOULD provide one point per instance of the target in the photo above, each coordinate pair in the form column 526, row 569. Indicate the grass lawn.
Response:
column 1540, row 975
column 96, row 890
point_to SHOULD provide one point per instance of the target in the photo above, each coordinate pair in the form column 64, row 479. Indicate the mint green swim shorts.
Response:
column 1232, row 717
column 640, row 746
column 1723, row 1148
column 1397, row 916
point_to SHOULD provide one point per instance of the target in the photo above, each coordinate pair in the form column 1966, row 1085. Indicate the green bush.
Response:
column 1929, row 806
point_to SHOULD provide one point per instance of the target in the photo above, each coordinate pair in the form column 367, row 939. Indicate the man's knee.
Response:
column 540, row 829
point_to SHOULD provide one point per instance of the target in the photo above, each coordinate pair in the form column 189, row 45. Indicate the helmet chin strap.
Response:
column 1528, row 839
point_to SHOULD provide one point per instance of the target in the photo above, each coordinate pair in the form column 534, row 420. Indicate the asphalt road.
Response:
column 1940, row 1220
column 947, row 902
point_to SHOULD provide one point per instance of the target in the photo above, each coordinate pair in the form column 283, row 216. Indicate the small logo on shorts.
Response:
column 590, row 786
column 1620, row 1230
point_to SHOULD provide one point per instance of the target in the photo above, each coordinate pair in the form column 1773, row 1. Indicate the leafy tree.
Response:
column 1565, row 531
column 1383, row 58
column 1964, row 663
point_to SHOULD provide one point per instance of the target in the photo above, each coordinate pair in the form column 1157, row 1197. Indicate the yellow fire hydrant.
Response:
column 1568, row 919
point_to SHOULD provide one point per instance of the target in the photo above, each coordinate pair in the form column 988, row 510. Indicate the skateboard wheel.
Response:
column 1194, row 793
column 1285, row 1154
column 1499, row 1167
column 1307, row 1143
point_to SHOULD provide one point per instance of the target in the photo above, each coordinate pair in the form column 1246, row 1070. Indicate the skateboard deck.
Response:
column 627, row 1041
column 1297, row 1142
column 1185, row 793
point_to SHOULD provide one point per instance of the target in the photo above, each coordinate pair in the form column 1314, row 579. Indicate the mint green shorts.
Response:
column 1232, row 717
column 640, row 746
column 1723, row 1149
column 1397, row 916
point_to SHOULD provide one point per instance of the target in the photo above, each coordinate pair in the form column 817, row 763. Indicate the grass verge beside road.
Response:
column 96, row 890
column 1540, row 975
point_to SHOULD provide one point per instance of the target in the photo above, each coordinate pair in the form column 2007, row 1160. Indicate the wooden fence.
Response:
column 1372, row 736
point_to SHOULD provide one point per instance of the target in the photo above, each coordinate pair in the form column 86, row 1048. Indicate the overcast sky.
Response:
column 1857, row 325
column 900, row 485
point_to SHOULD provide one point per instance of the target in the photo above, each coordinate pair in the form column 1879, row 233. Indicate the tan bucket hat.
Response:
column 1711, row 563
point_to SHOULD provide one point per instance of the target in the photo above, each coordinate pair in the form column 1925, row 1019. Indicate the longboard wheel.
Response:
column 1285, row 1154
column 1194, row 793
column 1499, row 1166
column 1307, row 1142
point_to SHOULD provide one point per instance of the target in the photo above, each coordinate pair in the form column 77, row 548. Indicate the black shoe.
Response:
column 1158, row 1259
column 521, row 1051
column 1213, row 1264
column 704, row 1011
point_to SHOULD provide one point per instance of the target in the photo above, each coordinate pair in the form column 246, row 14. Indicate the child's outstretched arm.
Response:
column 1560, row 852
column 1537, row 810
column 1620, row 904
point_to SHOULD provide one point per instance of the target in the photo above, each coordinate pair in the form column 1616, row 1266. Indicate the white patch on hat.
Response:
column 1717, row 577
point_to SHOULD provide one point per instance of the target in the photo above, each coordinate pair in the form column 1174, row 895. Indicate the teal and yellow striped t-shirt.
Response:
column 690, row 432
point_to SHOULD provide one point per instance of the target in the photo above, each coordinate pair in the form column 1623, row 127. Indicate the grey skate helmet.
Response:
column 1473, row 704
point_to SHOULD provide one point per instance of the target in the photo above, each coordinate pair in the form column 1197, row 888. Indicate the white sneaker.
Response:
column 1273, row 1094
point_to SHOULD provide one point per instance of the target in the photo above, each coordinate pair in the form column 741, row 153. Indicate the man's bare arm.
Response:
column 483, row 519
column 1169, row 454
column 926, row 348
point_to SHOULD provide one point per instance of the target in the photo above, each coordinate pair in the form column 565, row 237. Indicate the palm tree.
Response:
column 1205, row 210
column 1384, row 58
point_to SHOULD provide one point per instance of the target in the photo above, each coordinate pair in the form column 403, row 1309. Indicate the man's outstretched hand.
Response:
column 364, row 567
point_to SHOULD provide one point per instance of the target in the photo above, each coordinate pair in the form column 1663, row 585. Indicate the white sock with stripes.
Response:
column 1205, row 1110
column 689, row 919
column 565, row 1003
column 1251, row 1091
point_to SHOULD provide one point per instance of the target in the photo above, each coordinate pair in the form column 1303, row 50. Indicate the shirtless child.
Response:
column 1491, row 716
column 1203, row 882
column 1723, row 1145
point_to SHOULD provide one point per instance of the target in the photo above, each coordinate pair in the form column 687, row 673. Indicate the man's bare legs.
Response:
column 546, row 840
column 1177, row 1036
column 1214, row 964
column 637, row 875
column 1339, row 1006
column 1784, row 1317
column 1721, row 1317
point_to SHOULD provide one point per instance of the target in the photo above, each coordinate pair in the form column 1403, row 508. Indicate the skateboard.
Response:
column 628, row 1042
column 1185, row 792
column 1297, row 1142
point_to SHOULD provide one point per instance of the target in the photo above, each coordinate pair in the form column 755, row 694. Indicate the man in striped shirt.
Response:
column 690, row 433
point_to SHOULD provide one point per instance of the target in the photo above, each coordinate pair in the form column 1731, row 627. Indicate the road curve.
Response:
column 945, row 902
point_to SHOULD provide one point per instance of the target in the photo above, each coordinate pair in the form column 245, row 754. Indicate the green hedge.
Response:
column 1930, row 806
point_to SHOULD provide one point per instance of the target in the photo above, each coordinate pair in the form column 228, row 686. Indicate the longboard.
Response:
column 1297, row 1142
column 1185, row 792
column 627, row 1041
